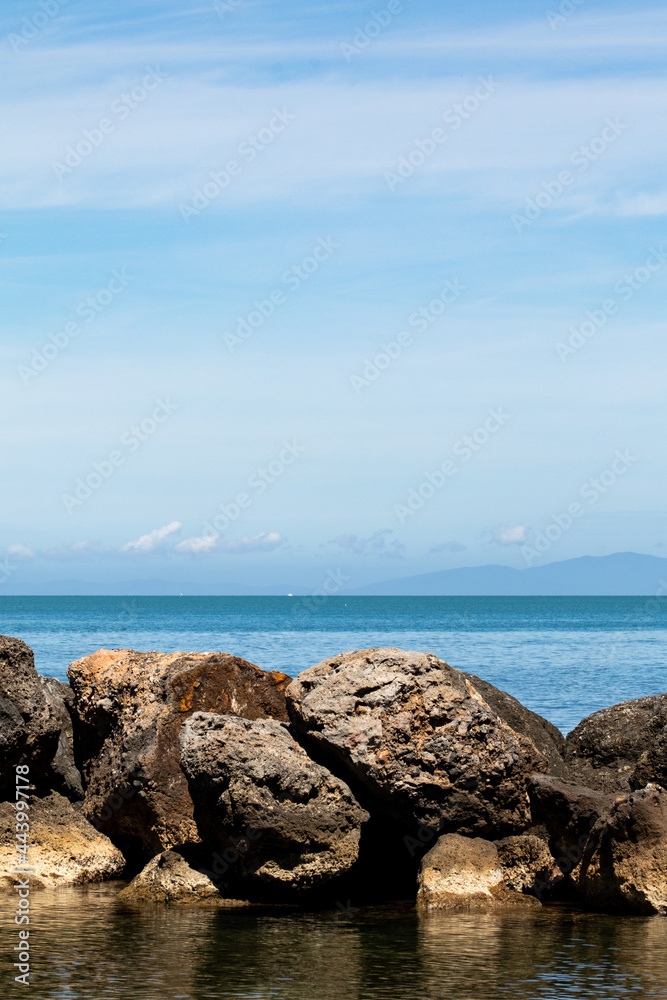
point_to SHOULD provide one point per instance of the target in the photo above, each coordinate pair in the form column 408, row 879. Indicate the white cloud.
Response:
column 203, row 543
column 265, row 542
column 505, row 535
column 153, row 540
column 20, row 551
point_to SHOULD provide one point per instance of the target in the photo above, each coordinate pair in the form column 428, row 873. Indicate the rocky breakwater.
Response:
column 375, row 774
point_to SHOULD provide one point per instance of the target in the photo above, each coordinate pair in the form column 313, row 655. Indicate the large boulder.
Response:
column 419, row 739
column 547, row 738
column 621, row 748
column 129, row 709
column 283, row 821
column 175, row 878
column 65, row 776
column 29, row 729
column 63, row 848
column 625, row 862
column 463, row 872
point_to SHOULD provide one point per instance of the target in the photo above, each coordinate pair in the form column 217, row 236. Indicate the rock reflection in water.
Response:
column 88, row 947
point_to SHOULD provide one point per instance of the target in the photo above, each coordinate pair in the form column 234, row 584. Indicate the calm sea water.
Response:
column 562, row 657
column 86, row 947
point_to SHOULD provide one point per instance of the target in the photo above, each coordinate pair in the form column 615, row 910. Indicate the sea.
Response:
column 562, row 657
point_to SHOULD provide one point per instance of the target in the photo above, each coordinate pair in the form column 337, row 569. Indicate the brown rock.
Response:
column 129, row 711
column 64, row 849
column 527, row 865
column 463, row 872
column 622, row 747
column 419, row 738
column 625, row 862
column 285, row 821
column 173, row 878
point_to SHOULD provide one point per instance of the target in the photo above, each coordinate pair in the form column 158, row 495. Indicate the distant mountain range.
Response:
column 621, row 574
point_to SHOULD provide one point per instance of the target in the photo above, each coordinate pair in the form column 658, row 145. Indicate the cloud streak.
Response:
column 153, row 540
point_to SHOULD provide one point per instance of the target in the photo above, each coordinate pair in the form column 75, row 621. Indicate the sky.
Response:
column 300, row 292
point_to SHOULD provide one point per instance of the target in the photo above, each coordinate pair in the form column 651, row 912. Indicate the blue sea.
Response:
column 563, row 657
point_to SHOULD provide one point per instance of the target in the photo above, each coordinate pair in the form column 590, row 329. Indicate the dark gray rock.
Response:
column 66, row 777
column 546, row 737
column 569, row 812
column 621, row 748
column 418, row 737
column 29, row 729
column 281, row 819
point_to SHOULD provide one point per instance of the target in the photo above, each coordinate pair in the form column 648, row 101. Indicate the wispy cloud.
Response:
column 448, row 547
column 153, row 540
column 378, row 544
column 265, row 542
column 199, row 545
column 20, row 551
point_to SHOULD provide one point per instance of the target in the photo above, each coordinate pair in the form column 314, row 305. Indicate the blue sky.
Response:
column 472, row 196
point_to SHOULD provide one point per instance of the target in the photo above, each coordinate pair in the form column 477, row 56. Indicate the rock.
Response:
column 174, row 878
column 64, row 849
column 285, row 821
column 29, row 731
column 546, row 737
column 419, row 739
column 569, row 813
column 129, row 709
column 625, row 863
column 622, row 747
column 465, row 872
column 527, row 865
column 65, row 774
